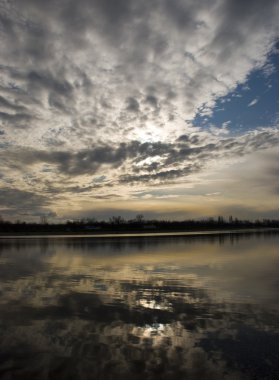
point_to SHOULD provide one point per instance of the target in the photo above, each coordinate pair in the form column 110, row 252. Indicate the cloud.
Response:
column 15, row 202
column 110, row 85
column 5, row 103
column 142, row 52
column 143, row 162
column 132, row 104
column 253, row 102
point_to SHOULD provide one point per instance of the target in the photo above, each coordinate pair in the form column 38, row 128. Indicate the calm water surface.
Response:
column 202, row 307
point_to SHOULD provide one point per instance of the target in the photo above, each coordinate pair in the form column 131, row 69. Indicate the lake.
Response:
column 166, row 307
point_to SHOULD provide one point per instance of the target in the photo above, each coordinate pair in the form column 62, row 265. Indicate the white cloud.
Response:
column 253, row 102
column 73, row 72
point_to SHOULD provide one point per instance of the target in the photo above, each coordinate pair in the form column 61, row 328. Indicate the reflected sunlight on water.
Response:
column 203, row 307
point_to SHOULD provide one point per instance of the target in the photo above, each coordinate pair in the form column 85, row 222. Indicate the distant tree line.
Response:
column 137, row 224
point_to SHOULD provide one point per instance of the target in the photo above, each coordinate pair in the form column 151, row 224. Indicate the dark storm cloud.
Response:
column 14, row 27
column 14, row 197
column 115, row 20
column 17, row 118
column 152, row 100
column 247, row 15
column 83, row 189
column 88, row 161
column 114, row 14
column 46, row 80
column 263, row 139
column 117, row 14
column 132, row 104
column 162, row 176
column 75, row 163
column 173, row 160
column 109, row 17
column 5, row 103
column 38, row 83
column 183, row 139
column 19, row 202
column 192, row 139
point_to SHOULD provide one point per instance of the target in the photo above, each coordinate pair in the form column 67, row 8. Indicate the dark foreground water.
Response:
column 203, row 307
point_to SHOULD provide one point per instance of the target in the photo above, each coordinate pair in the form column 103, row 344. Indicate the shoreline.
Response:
column 141, row 234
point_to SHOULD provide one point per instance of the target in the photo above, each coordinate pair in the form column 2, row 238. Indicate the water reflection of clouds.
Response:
column 115, row 350
column 152, row 315
column 222, row 276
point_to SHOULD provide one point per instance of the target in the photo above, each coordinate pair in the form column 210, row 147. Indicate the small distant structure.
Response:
column 92, row 228
column 149, row 227
column 139, row 218
column 43, row 219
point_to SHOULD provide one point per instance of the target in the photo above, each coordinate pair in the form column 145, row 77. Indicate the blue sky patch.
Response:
column 252, row 105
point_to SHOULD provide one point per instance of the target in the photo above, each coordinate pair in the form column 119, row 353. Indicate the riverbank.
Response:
column 129, row 234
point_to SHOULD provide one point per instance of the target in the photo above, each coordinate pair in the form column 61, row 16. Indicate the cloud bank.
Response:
column 111, row 88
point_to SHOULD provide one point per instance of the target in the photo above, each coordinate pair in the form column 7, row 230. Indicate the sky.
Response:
column 115, row 107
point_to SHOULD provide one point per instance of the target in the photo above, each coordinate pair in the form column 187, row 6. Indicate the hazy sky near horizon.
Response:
column 169, row 108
